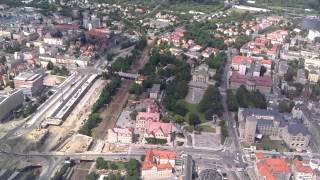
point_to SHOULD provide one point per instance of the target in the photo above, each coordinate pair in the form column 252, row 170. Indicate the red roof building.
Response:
column 158, row 164
column 272, row 168
column 301, row 170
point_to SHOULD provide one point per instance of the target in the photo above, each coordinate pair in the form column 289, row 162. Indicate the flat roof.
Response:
column 27, row 76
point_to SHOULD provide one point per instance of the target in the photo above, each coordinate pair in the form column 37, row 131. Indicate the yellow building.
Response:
column 313, row 76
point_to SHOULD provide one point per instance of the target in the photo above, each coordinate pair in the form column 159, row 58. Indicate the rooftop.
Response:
column 149, row 161
column 301, row 167
column 27, row 76
column 269, row 167
column 297, row 128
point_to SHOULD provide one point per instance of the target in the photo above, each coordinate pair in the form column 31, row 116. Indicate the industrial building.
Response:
column 9, row 103
column 30, row 82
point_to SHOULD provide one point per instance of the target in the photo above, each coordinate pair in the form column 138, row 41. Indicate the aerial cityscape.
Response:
column 159, row 89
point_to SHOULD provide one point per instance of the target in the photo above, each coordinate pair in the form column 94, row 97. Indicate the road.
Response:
column 234, row 151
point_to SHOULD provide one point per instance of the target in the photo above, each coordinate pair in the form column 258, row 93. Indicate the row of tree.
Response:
column 107, row 92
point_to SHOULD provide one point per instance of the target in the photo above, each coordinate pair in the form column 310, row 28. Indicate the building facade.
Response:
column 273, row 124
column 120, row 135
column 30, row 82
column 158, row 164
column 9, row 103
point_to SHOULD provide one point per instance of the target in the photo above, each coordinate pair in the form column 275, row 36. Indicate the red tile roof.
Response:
column 300, row 167
column 265, row 81
column 238, row 59
column 66, row 26
column 153, row 127
column 267, row 167
column 149, row 161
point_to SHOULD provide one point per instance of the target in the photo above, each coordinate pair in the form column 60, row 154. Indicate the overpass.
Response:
column 128, row 75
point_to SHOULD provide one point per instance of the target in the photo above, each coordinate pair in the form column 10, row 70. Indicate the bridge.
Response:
column 128, row 75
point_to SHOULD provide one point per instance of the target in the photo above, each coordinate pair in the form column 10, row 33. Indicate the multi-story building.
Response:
column 273, row 124
column 314, row 74
column 120, row 135
column 201, row 76
column 301, row 170
column 155, row 91
column 9, row 103
column 158, row 164
column 261, row 83
column 158, row 130
column 30, row 82
column 143, row 118
column 48, row 39
column 296, row 136
column 268, row 168
column 246, row 70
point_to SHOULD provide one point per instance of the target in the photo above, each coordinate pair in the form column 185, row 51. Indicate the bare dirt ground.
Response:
column 53, row 80
column 76, row 118
column 113, row 110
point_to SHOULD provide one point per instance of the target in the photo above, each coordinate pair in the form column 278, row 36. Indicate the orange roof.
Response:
column 267, row 167
column 161, row 154
column 266, row 61
column 259, row 155
column 265, row 171
column 299, row 167
column 237, row 59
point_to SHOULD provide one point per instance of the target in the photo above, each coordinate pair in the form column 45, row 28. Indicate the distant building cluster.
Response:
column 255, row 123
column 270, row 168
column 253, row 72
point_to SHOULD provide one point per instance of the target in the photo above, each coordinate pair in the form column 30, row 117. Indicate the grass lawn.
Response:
column 207, row 128
column 192, row 108
column 187, row 6
column 268, row 144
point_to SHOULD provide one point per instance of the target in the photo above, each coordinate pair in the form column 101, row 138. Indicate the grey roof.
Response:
column 297, row 128
column 263, row 112
column 155, row 88
column 264, row 122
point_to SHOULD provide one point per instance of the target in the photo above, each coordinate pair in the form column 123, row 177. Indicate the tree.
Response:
column 263, row 70
column 101, row 163
column 211, row 100
column 194, row 119
column 113, row 166
column 240, row 41
column 135, row 89
column 92, row 176
column 232, row 101
column 285, row 106
column 180, row 109
column 50, row 65
column 209, row 114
